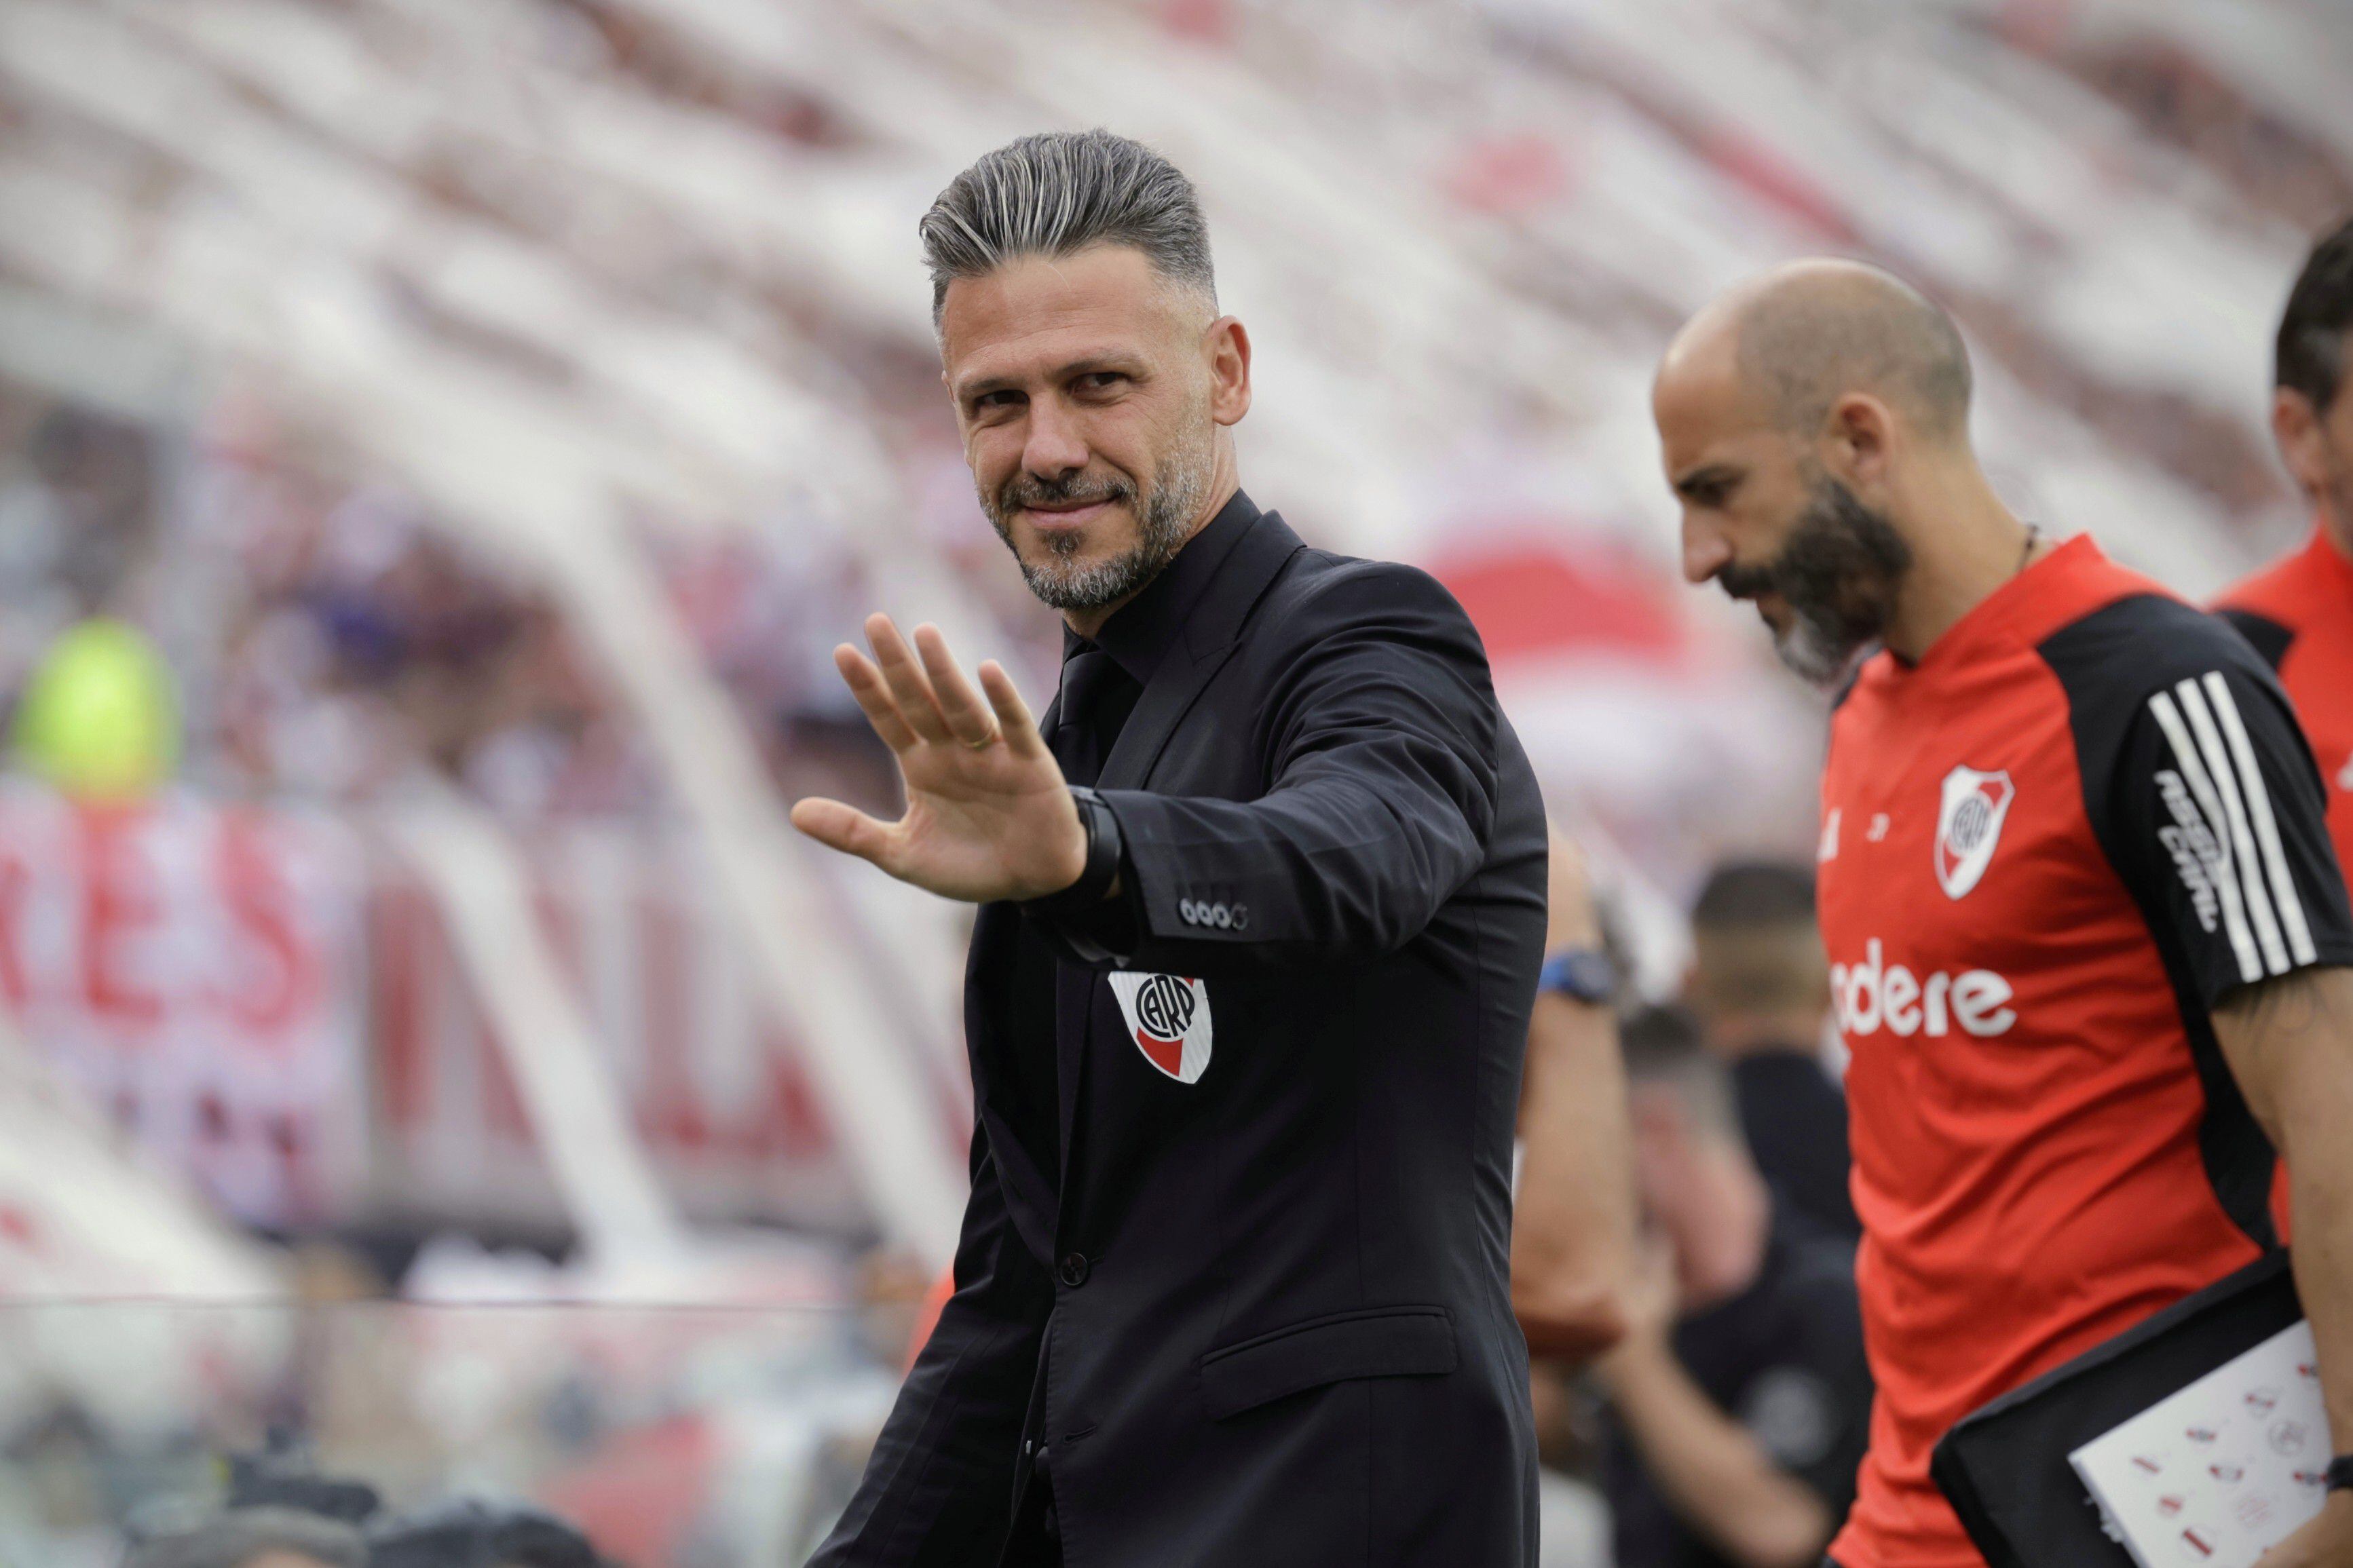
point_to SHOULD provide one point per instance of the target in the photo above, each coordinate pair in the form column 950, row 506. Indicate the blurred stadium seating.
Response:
column 494, row 410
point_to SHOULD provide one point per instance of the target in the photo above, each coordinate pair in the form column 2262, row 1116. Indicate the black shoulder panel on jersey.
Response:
column 2269, row 637
column 2111, row 664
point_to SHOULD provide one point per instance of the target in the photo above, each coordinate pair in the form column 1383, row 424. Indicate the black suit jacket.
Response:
column 1275, row 1300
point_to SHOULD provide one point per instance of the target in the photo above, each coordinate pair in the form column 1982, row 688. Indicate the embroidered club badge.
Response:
column 1968, row 825
column 1169, row 1018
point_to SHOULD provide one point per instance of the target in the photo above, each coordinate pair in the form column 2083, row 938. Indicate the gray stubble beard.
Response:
column 1163, row 518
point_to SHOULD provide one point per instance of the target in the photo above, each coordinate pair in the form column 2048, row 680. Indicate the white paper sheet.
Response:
column 2211, row 1476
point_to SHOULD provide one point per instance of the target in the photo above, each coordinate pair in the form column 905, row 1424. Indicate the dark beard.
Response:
column 1160, row 532
column 1839, row 573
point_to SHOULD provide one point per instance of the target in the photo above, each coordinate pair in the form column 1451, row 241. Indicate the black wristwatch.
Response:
column 2340, row 1473
column 1104, row 847
column 1581, row 973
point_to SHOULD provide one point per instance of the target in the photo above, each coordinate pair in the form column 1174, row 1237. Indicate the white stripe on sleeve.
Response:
column 2259, row 811
column 2226, row 884
column 2242, row 840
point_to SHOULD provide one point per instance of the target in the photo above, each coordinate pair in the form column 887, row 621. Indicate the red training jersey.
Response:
column 2048, row 848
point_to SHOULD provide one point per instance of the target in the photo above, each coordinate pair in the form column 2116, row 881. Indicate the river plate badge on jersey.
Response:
column 1169, row 1018
column 1968, row 825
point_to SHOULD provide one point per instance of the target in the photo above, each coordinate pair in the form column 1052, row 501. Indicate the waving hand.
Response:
column 988, row 816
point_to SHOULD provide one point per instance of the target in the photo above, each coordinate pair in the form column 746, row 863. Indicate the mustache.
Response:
column 1748, row 581
column 1079, row 488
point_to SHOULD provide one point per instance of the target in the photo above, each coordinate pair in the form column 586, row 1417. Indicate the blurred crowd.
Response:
column 320, row 639
column 275, row 1516
column 669, row 254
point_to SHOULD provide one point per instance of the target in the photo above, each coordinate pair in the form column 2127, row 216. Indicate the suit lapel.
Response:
column 1208, row 641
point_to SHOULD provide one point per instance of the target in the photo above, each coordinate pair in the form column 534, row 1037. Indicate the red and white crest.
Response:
column 1968, row 825
column 1169, row 1018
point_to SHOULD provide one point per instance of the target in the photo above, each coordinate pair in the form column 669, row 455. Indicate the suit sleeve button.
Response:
column 1073, row 1271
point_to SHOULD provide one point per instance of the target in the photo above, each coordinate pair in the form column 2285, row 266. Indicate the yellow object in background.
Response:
column 100, row 718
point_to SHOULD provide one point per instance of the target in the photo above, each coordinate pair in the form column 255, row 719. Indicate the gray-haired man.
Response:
column 1263, row 908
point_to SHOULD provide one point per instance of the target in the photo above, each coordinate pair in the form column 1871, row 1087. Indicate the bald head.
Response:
column 1804, row 335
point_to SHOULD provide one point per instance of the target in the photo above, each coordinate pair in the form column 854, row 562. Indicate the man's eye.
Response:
column 1099, row 380
column 988, row 402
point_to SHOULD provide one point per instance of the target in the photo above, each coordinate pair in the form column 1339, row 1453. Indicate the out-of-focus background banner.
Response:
column 441, row 439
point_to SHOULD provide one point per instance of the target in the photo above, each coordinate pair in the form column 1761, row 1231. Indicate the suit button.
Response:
column 1074, row 1271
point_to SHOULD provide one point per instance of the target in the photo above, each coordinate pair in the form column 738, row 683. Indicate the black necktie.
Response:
column 1097, row 696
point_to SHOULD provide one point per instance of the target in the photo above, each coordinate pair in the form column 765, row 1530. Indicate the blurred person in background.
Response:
column 1761, row 990
column 257, row 1538
column 2089, row 940
column 470, row 1534
column 1573, row 1214
column 2299, row 612
column 1741, row 1394
column 1246, row 1023
column 1573, row 1210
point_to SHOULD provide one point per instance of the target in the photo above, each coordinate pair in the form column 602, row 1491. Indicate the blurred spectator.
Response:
column 1573, row 1213
column 1741, row 1397
column 475, row 1535
column 1759, row 986
column 99, row 719
column 285, row 1479
column 257, row 1538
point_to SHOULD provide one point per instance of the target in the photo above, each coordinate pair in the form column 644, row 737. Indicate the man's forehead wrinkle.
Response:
column 1019, row 361
column 1003, row 332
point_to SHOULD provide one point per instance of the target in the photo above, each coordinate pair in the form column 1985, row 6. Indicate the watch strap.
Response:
column 1584, row 974
column 1105, row 849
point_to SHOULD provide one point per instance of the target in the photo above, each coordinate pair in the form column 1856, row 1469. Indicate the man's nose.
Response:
column 1706, row 550
column 1055, row 446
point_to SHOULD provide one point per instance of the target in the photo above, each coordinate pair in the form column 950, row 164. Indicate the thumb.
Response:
column 843, row 827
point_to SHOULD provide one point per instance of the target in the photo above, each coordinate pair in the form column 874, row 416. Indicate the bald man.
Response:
column 2087, row 931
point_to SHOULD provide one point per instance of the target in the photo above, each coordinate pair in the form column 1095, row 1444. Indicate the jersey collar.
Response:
column 1999, row 617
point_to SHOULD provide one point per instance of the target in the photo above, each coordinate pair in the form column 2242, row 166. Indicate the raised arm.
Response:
column 1383, row 794
column 1383, row 731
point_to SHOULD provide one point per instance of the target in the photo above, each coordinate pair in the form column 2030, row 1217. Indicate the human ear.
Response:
column 1226, row 346
column 2295, row 427
column 1858, row 441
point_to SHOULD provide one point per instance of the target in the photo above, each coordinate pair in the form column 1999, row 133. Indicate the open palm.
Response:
column 988, row 816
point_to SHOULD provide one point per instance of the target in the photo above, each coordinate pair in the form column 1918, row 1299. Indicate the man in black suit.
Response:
column 1263, row 906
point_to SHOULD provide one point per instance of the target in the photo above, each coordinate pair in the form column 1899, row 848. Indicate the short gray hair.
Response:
column 1059, row 192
